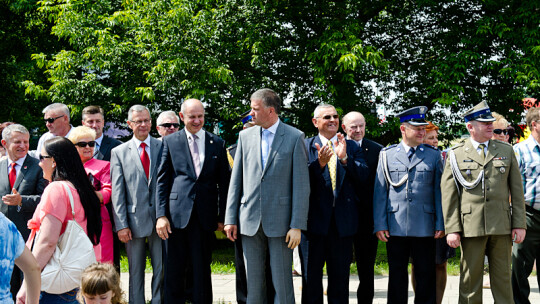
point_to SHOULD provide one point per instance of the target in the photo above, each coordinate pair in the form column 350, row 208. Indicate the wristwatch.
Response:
column 343, row 159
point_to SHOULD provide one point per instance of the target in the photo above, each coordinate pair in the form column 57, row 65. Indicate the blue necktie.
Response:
column 410, row 153
column 264, row 146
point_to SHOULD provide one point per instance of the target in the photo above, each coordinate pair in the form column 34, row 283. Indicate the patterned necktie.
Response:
column 265, row 148
column 410, row 153
column 145, row 160
column 12, row 175
column 482, row 152
column 332, row 165
column 195, row 155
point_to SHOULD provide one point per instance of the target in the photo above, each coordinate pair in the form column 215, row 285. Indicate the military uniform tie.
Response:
column 410, row 153
column 332, row 165
column 482, row 152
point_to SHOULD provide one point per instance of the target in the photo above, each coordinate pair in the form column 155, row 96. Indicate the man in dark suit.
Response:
column 336, row 167
column 192, row 190
column 94, row 117
column 21, row 185
column 365, row 241
column 134, row 167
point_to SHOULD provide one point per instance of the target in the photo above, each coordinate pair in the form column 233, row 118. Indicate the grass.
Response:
column 223, row 260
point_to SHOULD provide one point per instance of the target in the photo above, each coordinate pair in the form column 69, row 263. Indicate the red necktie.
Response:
column 145, row 160
column 12, row 175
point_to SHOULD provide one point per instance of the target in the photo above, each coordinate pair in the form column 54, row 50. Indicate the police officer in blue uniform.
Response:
column 407, row 210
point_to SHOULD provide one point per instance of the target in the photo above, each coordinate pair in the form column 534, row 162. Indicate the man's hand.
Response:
column 293, row 238
column 324, row 154
column 220, row 227
column 341, row 146
column 439, row 234
column 124, row 235
column 13, row 199
column 453, row 240
column 383, row 235
column 230, row 231
column 518, row 235
column 163, row 228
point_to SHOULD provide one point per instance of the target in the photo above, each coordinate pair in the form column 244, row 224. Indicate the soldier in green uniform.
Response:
column 480, row 179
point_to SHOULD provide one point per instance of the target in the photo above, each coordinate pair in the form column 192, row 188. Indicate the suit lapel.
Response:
column 276, row 143
column 184, row 147
column 417, row 157
column 135, row 156
column 21, row 174
column 401, row 155
column 492, row 151
column 154, row 157
column 4, row 181
column 257, row 138
column 472, row 153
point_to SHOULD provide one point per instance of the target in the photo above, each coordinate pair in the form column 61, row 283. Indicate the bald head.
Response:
column 354, row 124
column 192, row 114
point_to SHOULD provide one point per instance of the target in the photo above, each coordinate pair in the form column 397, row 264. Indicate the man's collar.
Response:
column 324, row 140
column 476, row 144
column 146, row 141
column 199, row 133
column 273, row 128
column 100, row 139
column 19, row 161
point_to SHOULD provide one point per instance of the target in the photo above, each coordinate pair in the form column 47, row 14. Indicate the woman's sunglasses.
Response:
column 83, row 144
column 42, row 157
column 499, row 131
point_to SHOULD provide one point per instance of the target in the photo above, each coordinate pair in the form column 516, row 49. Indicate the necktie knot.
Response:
column 143, row 145
column 13, row 166
column 411, row 153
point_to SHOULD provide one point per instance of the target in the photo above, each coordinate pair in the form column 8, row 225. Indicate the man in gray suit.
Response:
column 133, row 175
column 268, row 197
column 21, row 185
column 407, row 209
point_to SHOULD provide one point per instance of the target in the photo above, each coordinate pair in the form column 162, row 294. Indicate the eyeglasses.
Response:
column 83, row 144
column 51, row 120
column 328, row 117
column 499, row 131
column 140, row 122
column 170, row 124
column 42, row 157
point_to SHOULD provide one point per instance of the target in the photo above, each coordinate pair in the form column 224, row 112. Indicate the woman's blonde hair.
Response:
column 101, row 278
column 79, row 132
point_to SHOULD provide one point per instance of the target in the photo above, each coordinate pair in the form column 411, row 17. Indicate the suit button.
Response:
column 487, row 189
column 410, row 200
column 487, row 199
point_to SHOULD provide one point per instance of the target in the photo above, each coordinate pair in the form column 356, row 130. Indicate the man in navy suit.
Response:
column 407, row 209
column 192, row 191
column 336, row 168
column 365, row 241
column 94, row 117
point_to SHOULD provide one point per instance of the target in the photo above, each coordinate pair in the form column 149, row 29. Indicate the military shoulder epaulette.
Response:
column 502, row 142
column 430, row 146
column 389, row 147
column 231, row 147
column 457, row 145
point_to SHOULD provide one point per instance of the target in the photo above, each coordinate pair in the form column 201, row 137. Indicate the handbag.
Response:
column 74, row 252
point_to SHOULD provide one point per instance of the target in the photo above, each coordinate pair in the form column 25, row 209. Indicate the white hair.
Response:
column 321, row 106
column 57, row 107
column 7, row 133
column 167, row 114
column 136, row 108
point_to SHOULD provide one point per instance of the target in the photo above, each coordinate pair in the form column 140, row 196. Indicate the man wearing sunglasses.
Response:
column 21, row 185
column 56, row 117
column 94, row 117
column 167, row 123
column 336, row 168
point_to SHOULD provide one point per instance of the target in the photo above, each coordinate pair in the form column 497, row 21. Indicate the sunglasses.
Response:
column 83, row 144
column 328, row 117
column 42, row 157
column 51, row 120
column 499, row 131
column 170, row 124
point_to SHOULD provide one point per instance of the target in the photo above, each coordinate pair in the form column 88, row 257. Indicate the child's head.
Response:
column 100, row 283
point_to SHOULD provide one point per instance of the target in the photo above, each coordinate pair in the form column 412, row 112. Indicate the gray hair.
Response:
column 269, row 98
column 137, row 108
column 57, row 107
column 321, row 106
column 7, row 133
column 167, row 114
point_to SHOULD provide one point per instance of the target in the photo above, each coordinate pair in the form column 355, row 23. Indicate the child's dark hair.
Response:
column 101, row 278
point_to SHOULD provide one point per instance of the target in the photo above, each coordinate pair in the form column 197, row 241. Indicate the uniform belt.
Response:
column 532, row 210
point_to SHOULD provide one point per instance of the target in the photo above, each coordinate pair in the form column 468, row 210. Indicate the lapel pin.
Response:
column 25, row 167
column 421, row 149
column 211, row 141
column 502, row 169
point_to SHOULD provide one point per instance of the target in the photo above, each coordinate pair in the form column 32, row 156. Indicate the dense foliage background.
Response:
column 355, row 54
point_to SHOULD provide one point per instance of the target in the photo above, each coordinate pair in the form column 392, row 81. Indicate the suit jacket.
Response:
column 475, row 213
column 276, row 196
column 133, row 195
column 179, row 190
column 341, row 203
column 370, row 150
column 107, row 144
column 414, row 208
column 30, row 184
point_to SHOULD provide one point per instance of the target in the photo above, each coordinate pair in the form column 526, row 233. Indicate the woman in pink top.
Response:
column 61, row 165
column 99, row 173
